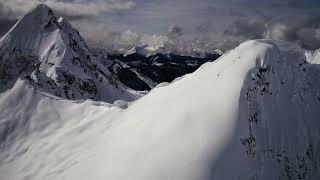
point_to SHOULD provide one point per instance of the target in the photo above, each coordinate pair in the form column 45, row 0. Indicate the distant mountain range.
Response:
column 141, row 71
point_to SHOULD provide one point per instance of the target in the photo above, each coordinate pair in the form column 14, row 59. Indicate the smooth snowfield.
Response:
column 252, row 114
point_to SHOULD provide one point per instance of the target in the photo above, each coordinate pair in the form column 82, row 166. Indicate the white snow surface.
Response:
column 252, row 114
column 313, row 56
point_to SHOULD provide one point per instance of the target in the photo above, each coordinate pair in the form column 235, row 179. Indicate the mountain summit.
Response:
column 49, row 54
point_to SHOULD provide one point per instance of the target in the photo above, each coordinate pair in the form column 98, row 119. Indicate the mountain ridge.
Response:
column 251, row 114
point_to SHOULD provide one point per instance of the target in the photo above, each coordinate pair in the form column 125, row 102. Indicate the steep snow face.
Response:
column 278, row 104
column 52, row 56
column 252, row 114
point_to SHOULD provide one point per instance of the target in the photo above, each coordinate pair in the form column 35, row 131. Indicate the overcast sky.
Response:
column 208, row 23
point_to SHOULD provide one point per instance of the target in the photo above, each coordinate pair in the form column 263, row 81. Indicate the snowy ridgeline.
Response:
column 252, row 114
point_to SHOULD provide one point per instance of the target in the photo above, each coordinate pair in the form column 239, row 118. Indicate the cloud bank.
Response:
column 181, row 25
column 81, row 8
column 304, row 30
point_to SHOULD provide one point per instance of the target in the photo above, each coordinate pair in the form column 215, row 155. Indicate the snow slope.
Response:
column 52, row 56
column 252, row 114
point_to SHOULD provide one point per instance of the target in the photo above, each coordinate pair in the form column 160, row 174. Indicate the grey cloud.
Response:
column 205, row 24
column 203, row 28
column 105, row 33
column 175, row 31
column 309, row 38
column 247, row 28
column 304, row 30
column 303, row 4
column 71, row 8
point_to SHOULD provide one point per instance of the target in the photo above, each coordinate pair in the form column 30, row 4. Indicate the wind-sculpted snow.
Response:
column 51, row 56
column 252, row 114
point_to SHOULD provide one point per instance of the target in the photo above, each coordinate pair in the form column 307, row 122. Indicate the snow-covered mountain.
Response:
column 252, row 114
column 136, row 50
column 50, row 55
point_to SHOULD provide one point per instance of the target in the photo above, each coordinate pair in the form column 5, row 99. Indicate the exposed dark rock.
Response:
column 130, row 79
column 158, row 67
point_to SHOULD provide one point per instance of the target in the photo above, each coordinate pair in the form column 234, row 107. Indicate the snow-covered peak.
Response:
column 43, row 10
column 136, row 50
column 41, row 14
column 52, row 56
column 39, row 20
column 42, row 7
